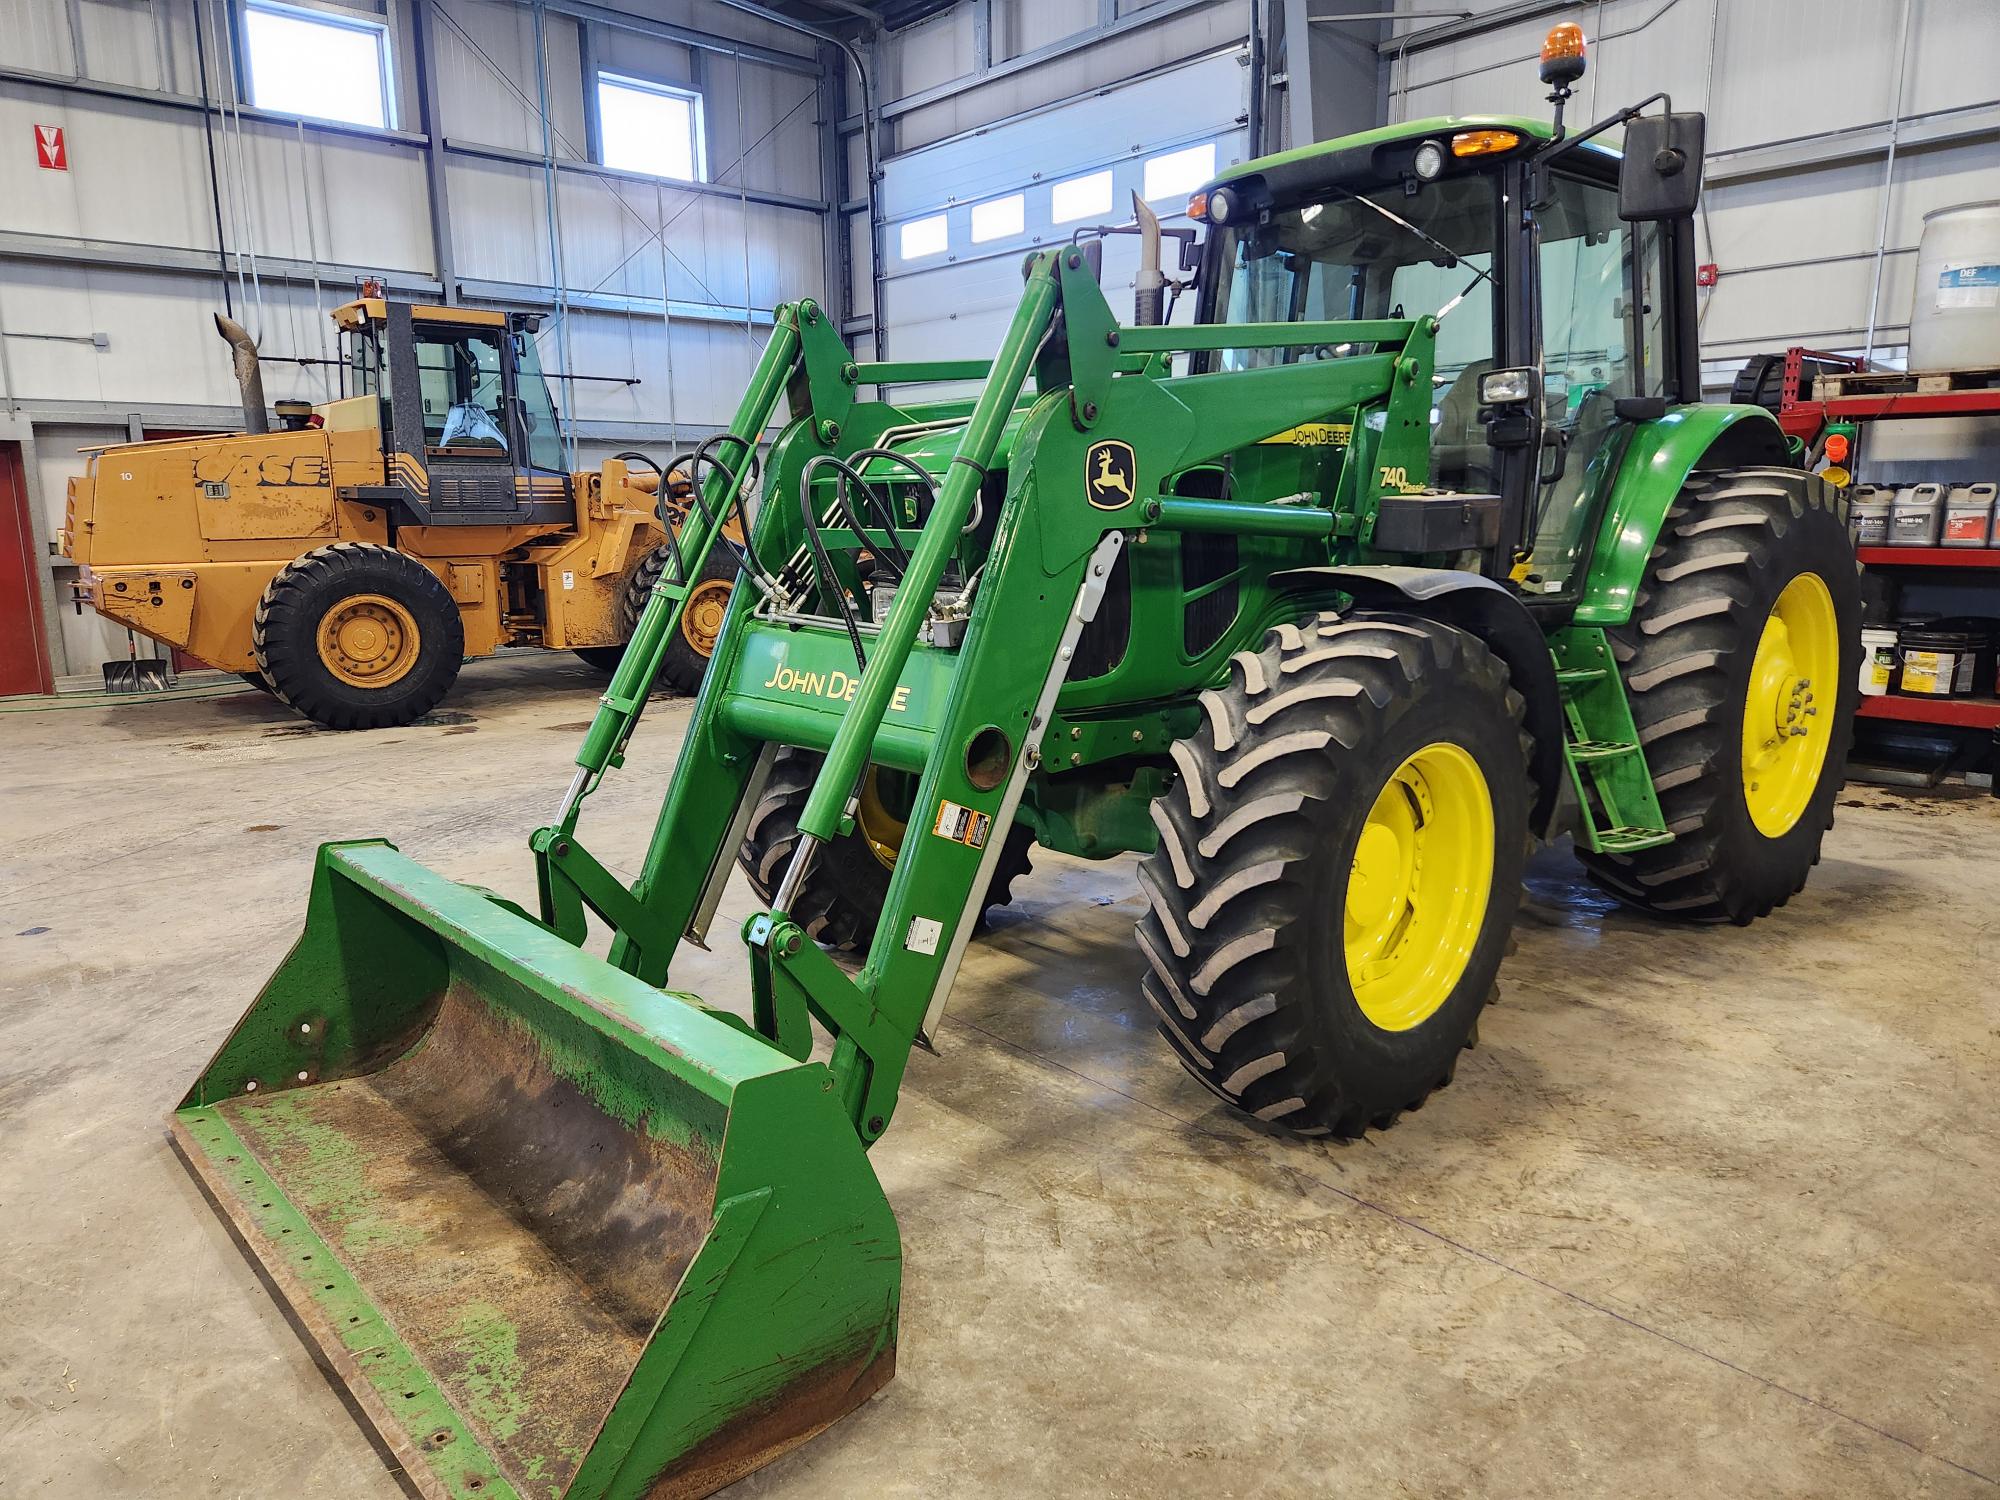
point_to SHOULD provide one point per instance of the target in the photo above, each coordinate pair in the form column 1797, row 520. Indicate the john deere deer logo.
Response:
column 1108, row 475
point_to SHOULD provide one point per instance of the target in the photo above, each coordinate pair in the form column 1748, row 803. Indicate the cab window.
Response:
column 462, row 394
column 535, row 412
column 1603, row 336
column 1346, row 258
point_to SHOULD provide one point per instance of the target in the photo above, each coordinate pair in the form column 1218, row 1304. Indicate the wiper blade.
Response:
column 1452, row 257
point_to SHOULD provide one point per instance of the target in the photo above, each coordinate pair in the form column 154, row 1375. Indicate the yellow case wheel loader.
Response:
column 349, row 561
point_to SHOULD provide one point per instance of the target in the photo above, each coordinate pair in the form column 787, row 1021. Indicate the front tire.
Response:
column 841, row 901
column 1750, row 604
column 356, row 636
column 1338, row 869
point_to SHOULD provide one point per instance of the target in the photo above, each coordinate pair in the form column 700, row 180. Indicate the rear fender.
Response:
column 1482, row 608
column 1655, row 469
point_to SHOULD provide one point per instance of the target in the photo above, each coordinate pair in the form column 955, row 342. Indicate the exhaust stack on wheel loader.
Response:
column 1326, row 625
column 351, row 560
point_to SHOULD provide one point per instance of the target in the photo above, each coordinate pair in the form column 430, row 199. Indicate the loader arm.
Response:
column 970, row 722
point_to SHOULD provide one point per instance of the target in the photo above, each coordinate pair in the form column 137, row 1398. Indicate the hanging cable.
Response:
column 830, row 580
column 693, row 461
column 894, row 555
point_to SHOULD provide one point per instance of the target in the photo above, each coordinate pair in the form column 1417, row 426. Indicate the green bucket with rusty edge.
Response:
column 559, row 1233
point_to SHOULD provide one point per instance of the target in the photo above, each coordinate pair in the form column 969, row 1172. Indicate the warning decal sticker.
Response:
column 961, row 825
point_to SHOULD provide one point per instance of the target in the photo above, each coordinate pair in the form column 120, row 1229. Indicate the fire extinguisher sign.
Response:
column 51, row 151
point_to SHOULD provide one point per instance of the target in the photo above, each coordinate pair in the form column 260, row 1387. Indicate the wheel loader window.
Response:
column 534, row 413
column 462, row 393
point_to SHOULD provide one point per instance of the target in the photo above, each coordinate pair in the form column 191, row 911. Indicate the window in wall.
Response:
column 1081, row 198
column 1179, row 173
column 653, row 128
column 325, row 64
column 997, row 218
column 921, row 237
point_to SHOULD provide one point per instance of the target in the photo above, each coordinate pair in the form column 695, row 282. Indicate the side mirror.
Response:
column 1660, row 176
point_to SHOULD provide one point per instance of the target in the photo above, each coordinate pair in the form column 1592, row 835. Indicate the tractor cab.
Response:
column 1565, row 305
column 469, row 434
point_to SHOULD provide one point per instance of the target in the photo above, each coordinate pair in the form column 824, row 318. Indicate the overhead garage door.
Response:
column 961, row 214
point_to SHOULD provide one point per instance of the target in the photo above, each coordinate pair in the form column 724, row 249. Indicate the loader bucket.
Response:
column 558, row 1232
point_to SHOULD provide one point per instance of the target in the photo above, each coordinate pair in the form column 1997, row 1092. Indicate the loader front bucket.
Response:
column 560, row 1233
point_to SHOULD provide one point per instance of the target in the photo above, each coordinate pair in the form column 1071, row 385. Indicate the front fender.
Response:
column 1655, row 469
column 1497, row 617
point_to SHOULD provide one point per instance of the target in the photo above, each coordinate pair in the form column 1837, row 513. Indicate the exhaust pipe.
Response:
column 250, row 374
column 1150, row 289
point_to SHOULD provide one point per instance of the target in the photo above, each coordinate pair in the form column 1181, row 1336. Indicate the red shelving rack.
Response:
column 1962, row 713
column 1929, row 557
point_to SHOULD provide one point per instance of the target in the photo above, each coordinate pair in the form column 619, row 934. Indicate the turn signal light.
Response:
column 1198, row 207
column 1483, row 142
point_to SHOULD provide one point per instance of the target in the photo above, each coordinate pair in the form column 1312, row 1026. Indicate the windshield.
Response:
column 1342, row 258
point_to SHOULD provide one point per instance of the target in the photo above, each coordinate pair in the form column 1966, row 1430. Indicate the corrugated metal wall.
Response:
column 124, row 243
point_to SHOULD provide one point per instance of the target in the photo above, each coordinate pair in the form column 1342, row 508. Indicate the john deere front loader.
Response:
column 1416, row 544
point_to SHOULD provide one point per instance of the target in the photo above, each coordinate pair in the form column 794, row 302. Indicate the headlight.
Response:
column 1221, row 206
column 1506, row 387
column 1429, row 160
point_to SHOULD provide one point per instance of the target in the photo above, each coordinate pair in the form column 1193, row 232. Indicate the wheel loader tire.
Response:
column 603, row 659
column 843, row 895
column 1727, row 625
column 256, row 680
column 1338, row 869
column 356, row 636
column 693, row 642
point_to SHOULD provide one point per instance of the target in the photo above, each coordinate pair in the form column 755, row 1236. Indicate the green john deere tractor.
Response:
column 1414, row 547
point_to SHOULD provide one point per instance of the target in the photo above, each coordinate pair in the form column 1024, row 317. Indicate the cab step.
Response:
column 1607, row 765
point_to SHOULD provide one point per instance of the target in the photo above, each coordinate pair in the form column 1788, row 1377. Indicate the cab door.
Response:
column 1598, row 322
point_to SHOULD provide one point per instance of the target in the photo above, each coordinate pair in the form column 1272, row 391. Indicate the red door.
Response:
column 24, row 652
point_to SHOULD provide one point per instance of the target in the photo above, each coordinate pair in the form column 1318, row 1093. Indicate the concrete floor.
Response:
column 1710, row 1212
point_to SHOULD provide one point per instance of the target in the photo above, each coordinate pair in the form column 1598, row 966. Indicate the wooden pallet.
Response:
column 1832, row 386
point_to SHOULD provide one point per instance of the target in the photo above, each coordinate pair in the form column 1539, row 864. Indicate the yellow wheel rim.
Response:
column 1417, row 893
column 1788, row 711
column 880, row 827
column 369, row 640
column 701, row 620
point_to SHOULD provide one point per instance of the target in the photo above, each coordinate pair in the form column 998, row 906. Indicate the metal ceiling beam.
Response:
column 94, row 89
column 1857, row 143
column 1076, row 42
column 687, row 36
column 1486, row 20
column 512, row 157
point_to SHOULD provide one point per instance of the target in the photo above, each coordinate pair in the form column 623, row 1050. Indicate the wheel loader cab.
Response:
column 1527, row 269
column 469, row 435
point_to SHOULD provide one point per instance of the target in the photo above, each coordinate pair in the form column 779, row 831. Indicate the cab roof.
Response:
column 365, row 310
column 1343, row 154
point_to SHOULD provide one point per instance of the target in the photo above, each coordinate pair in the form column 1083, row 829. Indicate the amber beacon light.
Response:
column 1562, row 54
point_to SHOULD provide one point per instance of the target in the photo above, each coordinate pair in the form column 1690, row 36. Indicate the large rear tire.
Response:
column 1338, row 869
column 693, row 641
column 843, row 895
column 356, row 636
column 1750, row 604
